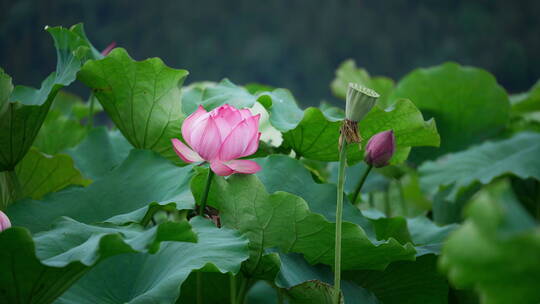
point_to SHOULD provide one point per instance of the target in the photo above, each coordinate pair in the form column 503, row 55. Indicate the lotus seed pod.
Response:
column 360, row 100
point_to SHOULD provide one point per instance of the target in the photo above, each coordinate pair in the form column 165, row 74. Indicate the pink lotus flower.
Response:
column 4, row 221
column 380, row 149
column 220, row 137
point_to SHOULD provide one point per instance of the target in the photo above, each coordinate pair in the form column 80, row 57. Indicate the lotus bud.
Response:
column 380, row 149
column 360, row 100
column 4, row 221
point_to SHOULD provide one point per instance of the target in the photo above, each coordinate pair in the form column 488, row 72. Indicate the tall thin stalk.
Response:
column 339, row 218
column 202, row 206
column 204, row 197
column 360, row 184
column 242, row 291
column 232, row 285
column 200, row 299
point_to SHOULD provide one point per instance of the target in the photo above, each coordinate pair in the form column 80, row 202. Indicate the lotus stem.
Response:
column 243, row 290
column 204, row 197
column 339, row 218
column 200, row 299
column 360, row 184
column 232, row 281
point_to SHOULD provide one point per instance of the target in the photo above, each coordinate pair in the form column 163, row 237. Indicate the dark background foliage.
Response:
column 285, row 43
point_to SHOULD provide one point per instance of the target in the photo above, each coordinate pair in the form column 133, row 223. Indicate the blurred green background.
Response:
column 292, row 44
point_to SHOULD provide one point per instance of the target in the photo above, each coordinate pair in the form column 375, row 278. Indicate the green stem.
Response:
column 232, row 281
column 204, row 197
column 281, row 298
column 360, row 184
column 339, row 219
column 199, row 288
column 242, row 291
column 91, row 111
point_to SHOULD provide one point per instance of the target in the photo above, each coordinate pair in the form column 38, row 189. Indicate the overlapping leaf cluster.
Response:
column 104, row 215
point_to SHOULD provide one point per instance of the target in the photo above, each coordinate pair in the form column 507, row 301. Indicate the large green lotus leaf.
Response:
column 267, row 267
column 312, row 292
column 211, row 96
column 262, row 293
column 72, row 106
column 283, row 109
column 282, row 173
column 192, row 95
column 281, row 106
column 408, row 124
column 143, row 98
column 59, row 133
column 39, row 270
column 316, row 137
column 528, row 101
column 528, row 193
column 347, row 72
column 332, row 112
column 20, row 123
column 23, row 109
column 100, row 152
column 467, row 103
column 62, row 128
column 416, row 200
column 215, row 287
column 427, row 236
column 447, row 206
column 121, row 196
column 72, row 49
column 295, row 270
column 156, row 278
column 517, row 155
column 496, row 250
column 405, row 282
column 40, row 174
column 284, row 220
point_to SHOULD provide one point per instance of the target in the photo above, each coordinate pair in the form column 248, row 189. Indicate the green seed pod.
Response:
column 360, row 100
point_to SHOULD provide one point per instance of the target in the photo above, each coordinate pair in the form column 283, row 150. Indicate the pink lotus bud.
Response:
column 4, row 221
column 220, row 137
column 108, row 49
column 380, row 149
